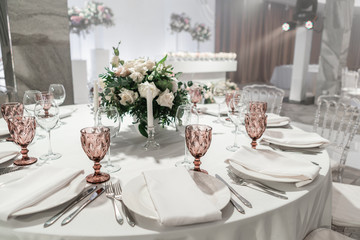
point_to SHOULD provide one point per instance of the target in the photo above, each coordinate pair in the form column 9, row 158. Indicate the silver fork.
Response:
column 118, row 196
column 111, row 195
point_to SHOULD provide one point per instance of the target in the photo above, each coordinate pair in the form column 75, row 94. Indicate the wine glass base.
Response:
column 201, row 170
column 53, row 156
column 21, row 162
column 184, row 163
column 111, row 168
column 232, row 148
column 100, row 178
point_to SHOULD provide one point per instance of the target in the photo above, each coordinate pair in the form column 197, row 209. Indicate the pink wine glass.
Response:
column 24, row 128
column 198, row 139
column 95, row 142
column 47, row 97
column 9, row 110
column 255, row 125
column 195, row 95
column 229, row 95
column 257, row 107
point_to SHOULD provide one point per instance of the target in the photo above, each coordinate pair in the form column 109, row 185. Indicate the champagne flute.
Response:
column 95, row 142
column 198, row 139
column 59, row 94
column 185, row 115
column 109, row 117
column 47, row 116
column 219, row 96
column 236, row 115
column 23, row 132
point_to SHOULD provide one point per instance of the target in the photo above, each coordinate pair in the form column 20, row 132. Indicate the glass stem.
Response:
column 219, row 113
column 50, row 152
column 186, row 153
column 235, row 136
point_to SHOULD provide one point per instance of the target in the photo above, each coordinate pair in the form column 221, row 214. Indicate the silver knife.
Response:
column 242, row 199
column 237, row 206
column 76, row 212
column 83, row 194
column 9, row 169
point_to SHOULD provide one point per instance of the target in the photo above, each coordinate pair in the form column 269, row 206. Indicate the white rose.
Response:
column 144, row 87
column 136, row 77
column 150, row 65
column 127, row 96
column 141, row 68
column 122, row 72
column 108, row 97
column 115, row 61
column 174, row 83
column 166, row 99
column 129, row 64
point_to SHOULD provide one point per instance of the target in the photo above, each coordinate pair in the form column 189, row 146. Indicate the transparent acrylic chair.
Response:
column 265, row 93
column 337, row 119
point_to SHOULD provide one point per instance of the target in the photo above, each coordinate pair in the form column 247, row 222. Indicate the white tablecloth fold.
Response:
column 274, row 119
column 34, row 187
column 272, row 163
column 3, row 127
column 177, row 199
column 293, row 137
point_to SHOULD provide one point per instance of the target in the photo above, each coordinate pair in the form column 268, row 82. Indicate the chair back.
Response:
column 337, row 119
column 7, row 94
column 265, row 93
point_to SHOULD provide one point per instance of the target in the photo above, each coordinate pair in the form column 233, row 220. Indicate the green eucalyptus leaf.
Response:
column 142, row 129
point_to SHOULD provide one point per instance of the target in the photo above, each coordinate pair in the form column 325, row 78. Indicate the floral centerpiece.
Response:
column 94, row 13
column 200, row 32
column 179, row 22
column 126, row 83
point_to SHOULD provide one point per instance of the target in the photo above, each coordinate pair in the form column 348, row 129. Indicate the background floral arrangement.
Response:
column 94, row 13
column 125, row 86
column 200, row 32
column 179, row 22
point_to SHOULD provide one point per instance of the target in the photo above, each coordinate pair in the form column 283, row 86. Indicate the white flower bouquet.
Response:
column 179, row 22
column 125, row 85
column 200, row 32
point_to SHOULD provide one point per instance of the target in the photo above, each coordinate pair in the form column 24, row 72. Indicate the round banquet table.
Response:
column 307, row 208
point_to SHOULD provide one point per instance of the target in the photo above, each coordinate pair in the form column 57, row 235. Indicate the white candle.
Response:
column 96, row 96
column 150, row 117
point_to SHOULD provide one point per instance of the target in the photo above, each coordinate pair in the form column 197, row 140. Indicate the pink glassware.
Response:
column 198, row 139
column 47, row 97
column 195, row 95
column 257, row 107
column 95, row 142
column 229, row 95
column 24, row 128
column 255, row 125
column 9, row 110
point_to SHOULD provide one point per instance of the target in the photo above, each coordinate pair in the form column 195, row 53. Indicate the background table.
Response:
column 308, row 207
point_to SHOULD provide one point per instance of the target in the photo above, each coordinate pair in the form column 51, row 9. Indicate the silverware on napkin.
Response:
column 241, row 198
column 83, row 194
column 76, row 212
column 118, row 196
column 9, row 169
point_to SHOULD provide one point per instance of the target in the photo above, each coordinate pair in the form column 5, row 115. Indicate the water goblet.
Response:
column 109, row 117
column 185, row 115
column 255, row 125
column 198, row 139
column 24, row 128
column 9, row 110
column 59, row 94
column 95, row 142
column 47, row 116
column 219, row 93
column 257, row 107
column 195, row 95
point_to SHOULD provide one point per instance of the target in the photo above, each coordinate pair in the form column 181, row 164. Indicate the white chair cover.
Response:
column 325, row 234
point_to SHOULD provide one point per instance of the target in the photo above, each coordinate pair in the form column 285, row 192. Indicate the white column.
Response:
column 300, row 64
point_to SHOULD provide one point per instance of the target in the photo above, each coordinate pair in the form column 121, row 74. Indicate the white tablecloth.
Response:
column 281, row 77
column 308, row 207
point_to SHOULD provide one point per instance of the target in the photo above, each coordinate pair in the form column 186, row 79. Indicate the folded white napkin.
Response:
column 6, row 155
column 65, row 112
column 3, row 127
column 274, row 164
column 293, row 137
column 177, row 199
column 274, row 119
column 34, row 187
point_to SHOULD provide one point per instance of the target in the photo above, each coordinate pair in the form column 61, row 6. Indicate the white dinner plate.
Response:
column 9, row 150
column 280, row 124
column 240, row 170
column 137, row 198
column 65, row 194
column 3, row 127
column 9, row 155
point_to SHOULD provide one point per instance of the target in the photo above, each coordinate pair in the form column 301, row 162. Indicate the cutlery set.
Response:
column 95, row 193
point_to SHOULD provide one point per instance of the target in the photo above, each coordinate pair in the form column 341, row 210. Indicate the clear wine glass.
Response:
column 109, row 117
column 236, row 115
column 24, row 128
column 219, row 93
column 198, row 139
column 58, row 91
column 185, row 115
column 9, row 110
column 95, row 142
column 31, row 97
column 47, row 116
